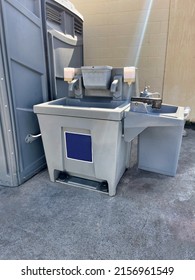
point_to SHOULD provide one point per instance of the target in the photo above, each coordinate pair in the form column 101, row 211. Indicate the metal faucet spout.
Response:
column 114, row 85
column 73, row 84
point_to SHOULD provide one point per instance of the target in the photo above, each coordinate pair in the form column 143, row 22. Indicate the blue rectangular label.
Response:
column 78, row 146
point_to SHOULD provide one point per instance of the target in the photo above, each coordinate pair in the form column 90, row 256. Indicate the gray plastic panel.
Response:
column 63, row 53
column 4, row 167
column 65, row 47
column 159, row 149
column 7, row 152
column 32, row 6
column 68, row 5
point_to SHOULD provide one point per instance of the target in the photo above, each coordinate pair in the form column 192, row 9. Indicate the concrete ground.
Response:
column 151, row 217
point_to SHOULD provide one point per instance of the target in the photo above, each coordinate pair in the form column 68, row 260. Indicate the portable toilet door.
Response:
column 23, row 83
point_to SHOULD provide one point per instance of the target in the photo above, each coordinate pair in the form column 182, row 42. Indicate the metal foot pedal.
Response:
column 65, row 178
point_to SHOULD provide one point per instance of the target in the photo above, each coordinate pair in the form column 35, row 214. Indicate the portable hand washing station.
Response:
column 87, row 135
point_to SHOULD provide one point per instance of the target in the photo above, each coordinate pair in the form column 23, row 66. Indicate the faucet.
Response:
column 155, row 102
column 149, row 97
column 73, row 85
column 146, row 93
column 114, row 85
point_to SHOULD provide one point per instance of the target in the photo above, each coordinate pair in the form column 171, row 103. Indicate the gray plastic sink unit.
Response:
column 87, row 135
column 83, row 133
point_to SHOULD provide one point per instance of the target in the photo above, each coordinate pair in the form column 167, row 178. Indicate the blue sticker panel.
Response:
column 78, row 146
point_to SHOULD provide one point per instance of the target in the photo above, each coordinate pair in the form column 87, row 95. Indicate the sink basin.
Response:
column 95, row 108
column 141, row 107
column 165, row 109
column 89, row 102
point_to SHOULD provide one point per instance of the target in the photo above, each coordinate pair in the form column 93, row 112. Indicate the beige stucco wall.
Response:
column 179, row 84
column 148, row 34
